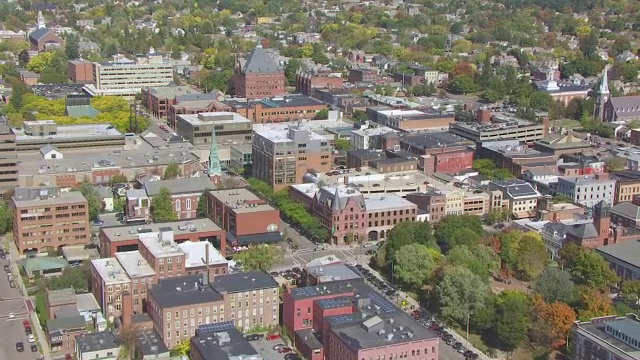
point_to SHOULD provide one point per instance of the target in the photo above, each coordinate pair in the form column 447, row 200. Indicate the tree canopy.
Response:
column 414, row 264
column 260, row 257
column 480, row 259
column 460, row 293
column 93, row 197
column 162, row 209
column 453, row 230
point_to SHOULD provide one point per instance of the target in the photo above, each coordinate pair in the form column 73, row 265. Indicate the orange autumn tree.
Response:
column 552, row 322
column 594, row 303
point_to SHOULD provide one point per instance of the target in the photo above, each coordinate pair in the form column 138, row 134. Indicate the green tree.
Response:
column 258, row 257
column 118, row 179
column 6, row 218
column 462, row 84
column 532, row 256
column 19, row 90
column 202, row 205
column 172, row 171
column 455, row 230
column 512, row 319
column 93, row 199
column 555, row 284
column 460, row 293
column 592, row 270
column 71, row 47
column 343, row 144
column 291, row 70
column 183, row 347
column 407, row 233
column 162, row 209
column 41, row 62
column 322, row 114
column 631, row 291
column 615, row 163
column 414, row 264
column 495, row 216
column 480, row 259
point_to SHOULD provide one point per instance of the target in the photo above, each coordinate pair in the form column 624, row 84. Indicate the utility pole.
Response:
column 468, row 316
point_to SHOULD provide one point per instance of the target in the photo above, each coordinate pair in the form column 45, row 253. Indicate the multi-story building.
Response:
column 430, row 75
column 178, row 306
column 606, row 337
column 500, row 127
column 158, row 100
column 162, row 253
column 349, row 320
column 62, row 333
column 57, row 299
column 369, row 138
column 516, row 197
column 306, row 82
column 193, row 104
column 287, row 108
column 622, row 259
column 258, row 76
column 587, row 190
column 101, row 345
column 246, row 217
column 516, row 158
column 109, row 281
column 141, row 275
column 229, row 128
column 221, row 341
column 626, row 214
column 440, row 203
column 33, row 136
column 124, row 77
column 45, row 219
column 410, row 120
column 352, row 217
column 627, row 185
column 121, row 238
column 561, row 144
column 81, row 72
column 282, row 157
column 432, row 202
column 8, row 161
column 363, row 75
column 439, row 152
column 185, row 194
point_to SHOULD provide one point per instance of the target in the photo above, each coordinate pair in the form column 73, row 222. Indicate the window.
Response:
column 177, row 205
column 188, row 204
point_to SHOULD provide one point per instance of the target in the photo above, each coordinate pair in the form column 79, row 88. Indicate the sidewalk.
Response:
column 14, row 256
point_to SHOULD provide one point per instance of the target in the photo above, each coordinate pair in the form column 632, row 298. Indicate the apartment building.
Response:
column 349, row 320
column 141, row 275
column 46, row 219
column 384, row 212
column 109, row 281
column 587, row 190
column 285, row 108
column 125, row 77
column 281, row 157
column 229, row 128
column 439, row 152
column 516, row 197
column 162, row 253
column 8, row 161
column 432, row 202
column 363, row 75
column 246, row 217
column 101, row 345
column 369, row 138
column 440, row 203
column 258, row 76
column 306, row 82
column 178, row 306
column 606, row 337
column 627, row 185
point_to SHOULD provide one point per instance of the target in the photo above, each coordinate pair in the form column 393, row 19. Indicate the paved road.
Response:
column 12, row 330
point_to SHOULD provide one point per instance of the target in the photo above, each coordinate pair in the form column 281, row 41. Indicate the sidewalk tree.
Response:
column 259, row 257
column 202, row 204
column 460, row 292
column 94, row 200
column 6, row 218
column 162, row 207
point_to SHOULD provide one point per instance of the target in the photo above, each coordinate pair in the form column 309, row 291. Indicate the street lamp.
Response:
column 468, row 316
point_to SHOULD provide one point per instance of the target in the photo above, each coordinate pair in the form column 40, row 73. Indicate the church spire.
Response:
column 603, row 94
column 41, row 22
column 215, row 170
column 604, row 83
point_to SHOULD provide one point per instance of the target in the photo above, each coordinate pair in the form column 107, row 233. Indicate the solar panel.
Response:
column 383, row 303
column 337, row 319
column 216, row 327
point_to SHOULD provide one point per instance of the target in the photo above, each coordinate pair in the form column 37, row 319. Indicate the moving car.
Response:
column 19, row 347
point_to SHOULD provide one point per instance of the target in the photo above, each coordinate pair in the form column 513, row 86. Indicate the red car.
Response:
column 26, row 324
column 272, row 337
column 284, row 350
column 416, row 314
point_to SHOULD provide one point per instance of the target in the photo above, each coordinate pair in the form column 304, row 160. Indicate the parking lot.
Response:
column 265, row 349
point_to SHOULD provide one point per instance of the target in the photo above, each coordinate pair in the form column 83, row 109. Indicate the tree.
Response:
column 552, row 322
column 258, row 257
column 322, row 114
column 407, row 233
column 343, row 145
column 94, row 200
column 592, row 270
column 512, row 319
column 172, row 171
column 291, row 71
column 631, row 291
column 118, row 179
column 202, row 205
column 23, row 58
column 414, row 264
column 495, row 216
column 594, row 303
column 532, row 256
column 6, row 218
column 462, row 84
column 555, row 284
column 183, row 347
column 71, row 47
column 455, row 230
column 461, row 292
column 480, row 259
column 19, row 90
column 127, row 339
column 162, row 209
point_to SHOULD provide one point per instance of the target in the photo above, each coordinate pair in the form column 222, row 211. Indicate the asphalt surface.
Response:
column 12, row 330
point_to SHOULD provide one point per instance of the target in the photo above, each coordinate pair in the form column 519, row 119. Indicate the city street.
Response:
column 12, row 329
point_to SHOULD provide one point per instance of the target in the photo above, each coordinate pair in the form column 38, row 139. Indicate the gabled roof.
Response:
column 38, row 34
column 627, row 210
column 259, row 61
column 47, row 149
column 624, row 102
column 583, row 231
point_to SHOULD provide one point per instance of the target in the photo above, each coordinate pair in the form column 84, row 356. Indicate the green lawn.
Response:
column 474, row 339
column 41, row 309
column 570, row 123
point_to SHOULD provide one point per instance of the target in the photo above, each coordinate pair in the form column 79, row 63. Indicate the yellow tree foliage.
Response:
column 40, row 62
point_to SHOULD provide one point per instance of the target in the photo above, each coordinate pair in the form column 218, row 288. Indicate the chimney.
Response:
column 127, row 309
column 483, row 116
column 206, row 254
column 546, row 125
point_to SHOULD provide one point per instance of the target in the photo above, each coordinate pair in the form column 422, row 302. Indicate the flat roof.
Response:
column 224, row 345
column 79, row 253
column 71, row 132
column 110, row 271
column 240, row 282
column 241, row 200
column 182, row 291
column 97, row 341
column 196, row 254
column 149, row 343
column 129, row 232
column 160, row 244
column 596, row 327
column 173, row 91
column 210, row 118
column 279, row 135
column 134, row 264
column 389, row 201
column 334, row 272
column 434, row 140
column 380, row 130
column 32, row 163
column 277, row 102
column 62, row 198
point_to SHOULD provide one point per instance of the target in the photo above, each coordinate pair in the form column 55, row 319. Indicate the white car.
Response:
column 31, row 339
column 12, row 315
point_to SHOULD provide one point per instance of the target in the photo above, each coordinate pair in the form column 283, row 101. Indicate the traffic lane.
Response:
column 13, row 332
column 299, row 239
column 446, row 352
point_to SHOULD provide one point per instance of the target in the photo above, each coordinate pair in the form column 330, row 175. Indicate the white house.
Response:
column 50, row 152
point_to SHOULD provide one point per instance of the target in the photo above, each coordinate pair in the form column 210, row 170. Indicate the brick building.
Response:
column 410, row 120
column 606, row 337
column 432, row 202
column 281, row 157
column 108, row 282
column 348, row 320
column 245, row 217
column 159, row 99
column 43, row 39
column 45, row 219
column 309, row 80
column 258, row 76
column 509, row 154
column 439, row 152
column 276, row 109
column 363, row 75
column 627, row 185
column 81, row 72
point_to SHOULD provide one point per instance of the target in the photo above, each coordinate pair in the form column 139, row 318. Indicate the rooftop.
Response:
column 515, row 189
column 172, row 91
column 604, row 327
column 66, row 323
column 148, row 343
column 333, row 272
column 498, row 122
column 71, row 132
column 161, row 243
column 180, row 186
column 627, row 209
column 240, row 282
column 196, row 254
column 377, row 202
column 183, row 291
column 134, row 264
column 128, row 232
column 626, row 251
column 241, row 200
column 260, row 60
column 223, row 343
column 103, row 340
column 87, row 302
column 585, row 179
column 277, row 102
column 61, row 297
column 110, row 271
column 278, row 135
column 28, row 197
column 210, row 118
column 434, row 140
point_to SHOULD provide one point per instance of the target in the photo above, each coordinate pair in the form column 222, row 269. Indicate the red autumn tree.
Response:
column 463, row 68
column 552, row 322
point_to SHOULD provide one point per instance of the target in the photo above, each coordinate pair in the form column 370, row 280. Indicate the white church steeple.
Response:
column 41, row 22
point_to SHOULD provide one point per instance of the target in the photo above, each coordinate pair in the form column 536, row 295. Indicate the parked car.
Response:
column 279, row 346
column 34, row 348
column 284, row 350
column 12, row 284
column 7, row 268
column 31, row 339
column 272, row 337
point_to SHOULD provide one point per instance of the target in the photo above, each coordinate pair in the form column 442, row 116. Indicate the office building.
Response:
column 627, row 185
column 606, row 337
column 513, row 156
column 246, row 218
column 45, row 219
column 229, row 127
column 193, row 104
column 369, row 138
column 124, row 77
column 587, row 190
column 363, row 75
column 8, row 161
column 410, row 120
column 258, row 76
column 439, row 152
column 34, row 135
column 282, row 157
column 158, row 100
column 307, row 81
column 221, row 341
column 81, row 72
column 287, row 108
column 101, row 345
